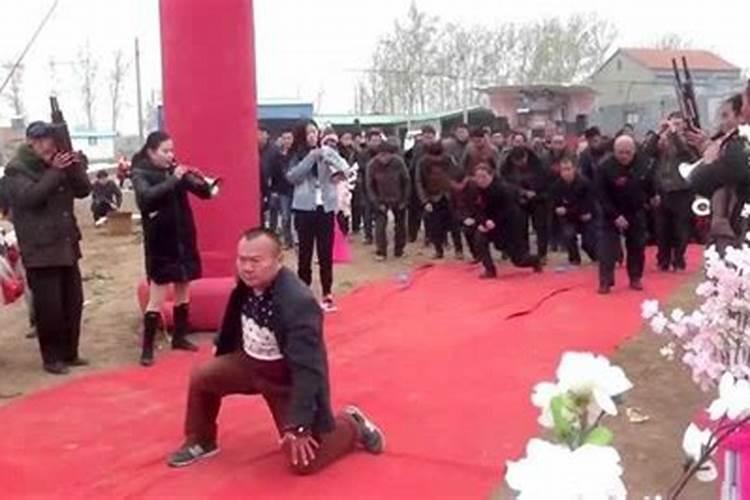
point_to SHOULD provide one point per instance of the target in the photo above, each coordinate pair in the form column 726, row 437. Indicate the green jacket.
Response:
column 41, row 203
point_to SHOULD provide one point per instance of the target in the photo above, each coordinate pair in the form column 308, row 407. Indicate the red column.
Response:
column 208, row 71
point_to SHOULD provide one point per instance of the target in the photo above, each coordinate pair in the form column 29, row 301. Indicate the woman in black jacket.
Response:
column 169, row 236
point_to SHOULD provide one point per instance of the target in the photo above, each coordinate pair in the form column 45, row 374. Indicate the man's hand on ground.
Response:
column 301, row 448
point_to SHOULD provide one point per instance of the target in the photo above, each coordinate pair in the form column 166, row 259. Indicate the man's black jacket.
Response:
column 576, row 197
column 624, row 190
column 297, row 323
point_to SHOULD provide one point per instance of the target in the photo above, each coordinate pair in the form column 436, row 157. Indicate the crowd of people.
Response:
column 594, row 195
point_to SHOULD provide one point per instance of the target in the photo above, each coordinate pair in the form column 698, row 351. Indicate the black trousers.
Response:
column 315, row 229
column 415, row 214
column 673, row 219
column 381, row 223
column 610, row 247
column 58, row 303
column 538, row 214
column 508, row 238
column 99, row 210
column 569, row 231
column 439, row 223
column 357, row 210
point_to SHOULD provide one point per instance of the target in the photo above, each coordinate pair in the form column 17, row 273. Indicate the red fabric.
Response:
column 208, row 66
column 446, row 366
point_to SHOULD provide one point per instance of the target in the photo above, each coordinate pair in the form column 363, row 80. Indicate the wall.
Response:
column 97, row 148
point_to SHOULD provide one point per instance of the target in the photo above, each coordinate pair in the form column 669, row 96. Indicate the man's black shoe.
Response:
column 78, row 362
column 636, row 285
column 488, row 275
column 664, row 268
column 191, row 453
column 56, row 368
column 539, row 266
column 371, row 437
column 604, row 290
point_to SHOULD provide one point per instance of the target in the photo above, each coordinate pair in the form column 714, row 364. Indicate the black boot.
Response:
column 150, row 325
column 179, row 340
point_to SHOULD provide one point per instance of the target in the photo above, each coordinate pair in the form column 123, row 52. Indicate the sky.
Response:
column 311, row 51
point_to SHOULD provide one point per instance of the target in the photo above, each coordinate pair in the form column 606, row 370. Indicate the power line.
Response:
column 28, row 46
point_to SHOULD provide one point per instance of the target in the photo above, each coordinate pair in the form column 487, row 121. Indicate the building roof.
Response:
column 661, row 59
column 372, row 120
column 538, row 87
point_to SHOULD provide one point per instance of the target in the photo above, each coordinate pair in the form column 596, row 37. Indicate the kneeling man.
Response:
column 271, row 344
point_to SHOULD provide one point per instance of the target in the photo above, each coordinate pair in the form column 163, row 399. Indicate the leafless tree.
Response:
column 87, row 71
column 673, row 41
column 117, row 74
column 424, row 64
column 14, row 92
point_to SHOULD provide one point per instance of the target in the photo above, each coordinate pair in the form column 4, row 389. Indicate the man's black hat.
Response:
column 39, row 130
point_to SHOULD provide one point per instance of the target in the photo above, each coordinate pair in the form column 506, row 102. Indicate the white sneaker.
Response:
column 328, row 305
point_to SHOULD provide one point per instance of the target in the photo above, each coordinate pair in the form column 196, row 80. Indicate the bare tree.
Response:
column 14, row 94
column 117, row 74
column 673, row 41
column 424, row 64
column 87, row 70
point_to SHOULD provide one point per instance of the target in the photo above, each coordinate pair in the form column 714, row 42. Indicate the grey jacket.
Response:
column 302, row 174
column 42, row 209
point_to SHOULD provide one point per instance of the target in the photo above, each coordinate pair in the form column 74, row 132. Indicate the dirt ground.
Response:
column 112, row 265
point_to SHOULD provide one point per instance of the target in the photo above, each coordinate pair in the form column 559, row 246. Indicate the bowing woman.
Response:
column 169, row 236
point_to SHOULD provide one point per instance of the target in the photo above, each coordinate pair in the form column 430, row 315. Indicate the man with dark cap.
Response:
column 415, row 212
column 624, row 188
column 42, row 183
column 593, row 154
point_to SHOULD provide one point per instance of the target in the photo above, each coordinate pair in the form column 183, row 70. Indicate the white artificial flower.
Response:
column 668, row 351
column 587, row 473
column 587, row 373
column 659, row 323
column 649, row 309
column 542, row 399
column 733, row 401
column 694, row 441
column 744, row 132
column 678, row 315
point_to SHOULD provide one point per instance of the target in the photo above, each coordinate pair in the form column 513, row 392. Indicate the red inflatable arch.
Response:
column 208, row 72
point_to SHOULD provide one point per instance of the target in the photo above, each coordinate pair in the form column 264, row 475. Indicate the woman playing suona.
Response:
column 169, row 236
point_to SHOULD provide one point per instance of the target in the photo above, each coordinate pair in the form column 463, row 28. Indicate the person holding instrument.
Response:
column 169, row 236
column 723, row 175
column 42, row 182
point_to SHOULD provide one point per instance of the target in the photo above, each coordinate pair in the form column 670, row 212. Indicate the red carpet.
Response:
column 446, row 366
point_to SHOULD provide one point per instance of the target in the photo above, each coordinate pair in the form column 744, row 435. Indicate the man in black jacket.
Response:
column 573, row 205
column 673, row 213
column 624, row 189
column 271, row 343
column 282, row 191
column 593, row 155
column 497, row 219
column 106, row 197
column 524, row 169
column 374, row 140
column 43, row 182
column 389, row 190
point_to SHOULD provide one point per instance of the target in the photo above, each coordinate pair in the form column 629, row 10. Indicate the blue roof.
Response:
column 285, row 111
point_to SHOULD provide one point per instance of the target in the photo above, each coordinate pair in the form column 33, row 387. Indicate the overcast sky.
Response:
column 311, row 50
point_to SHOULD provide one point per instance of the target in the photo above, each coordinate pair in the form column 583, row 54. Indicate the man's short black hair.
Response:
column 462, row 125
column 39, row 130
column 429, row 129
column 477, row 132
column 102, row 174
column 373, row 132
column 592, row 132
column 287, row 130
column 257, row 232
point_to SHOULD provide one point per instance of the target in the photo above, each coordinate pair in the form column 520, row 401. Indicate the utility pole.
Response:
column 138, row 88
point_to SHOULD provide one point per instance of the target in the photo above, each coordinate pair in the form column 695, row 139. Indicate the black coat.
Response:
column 297, row 323
column 41, row 207
column 624, row 190
column 169, row 234
column 576, row 197
column 533, row 177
